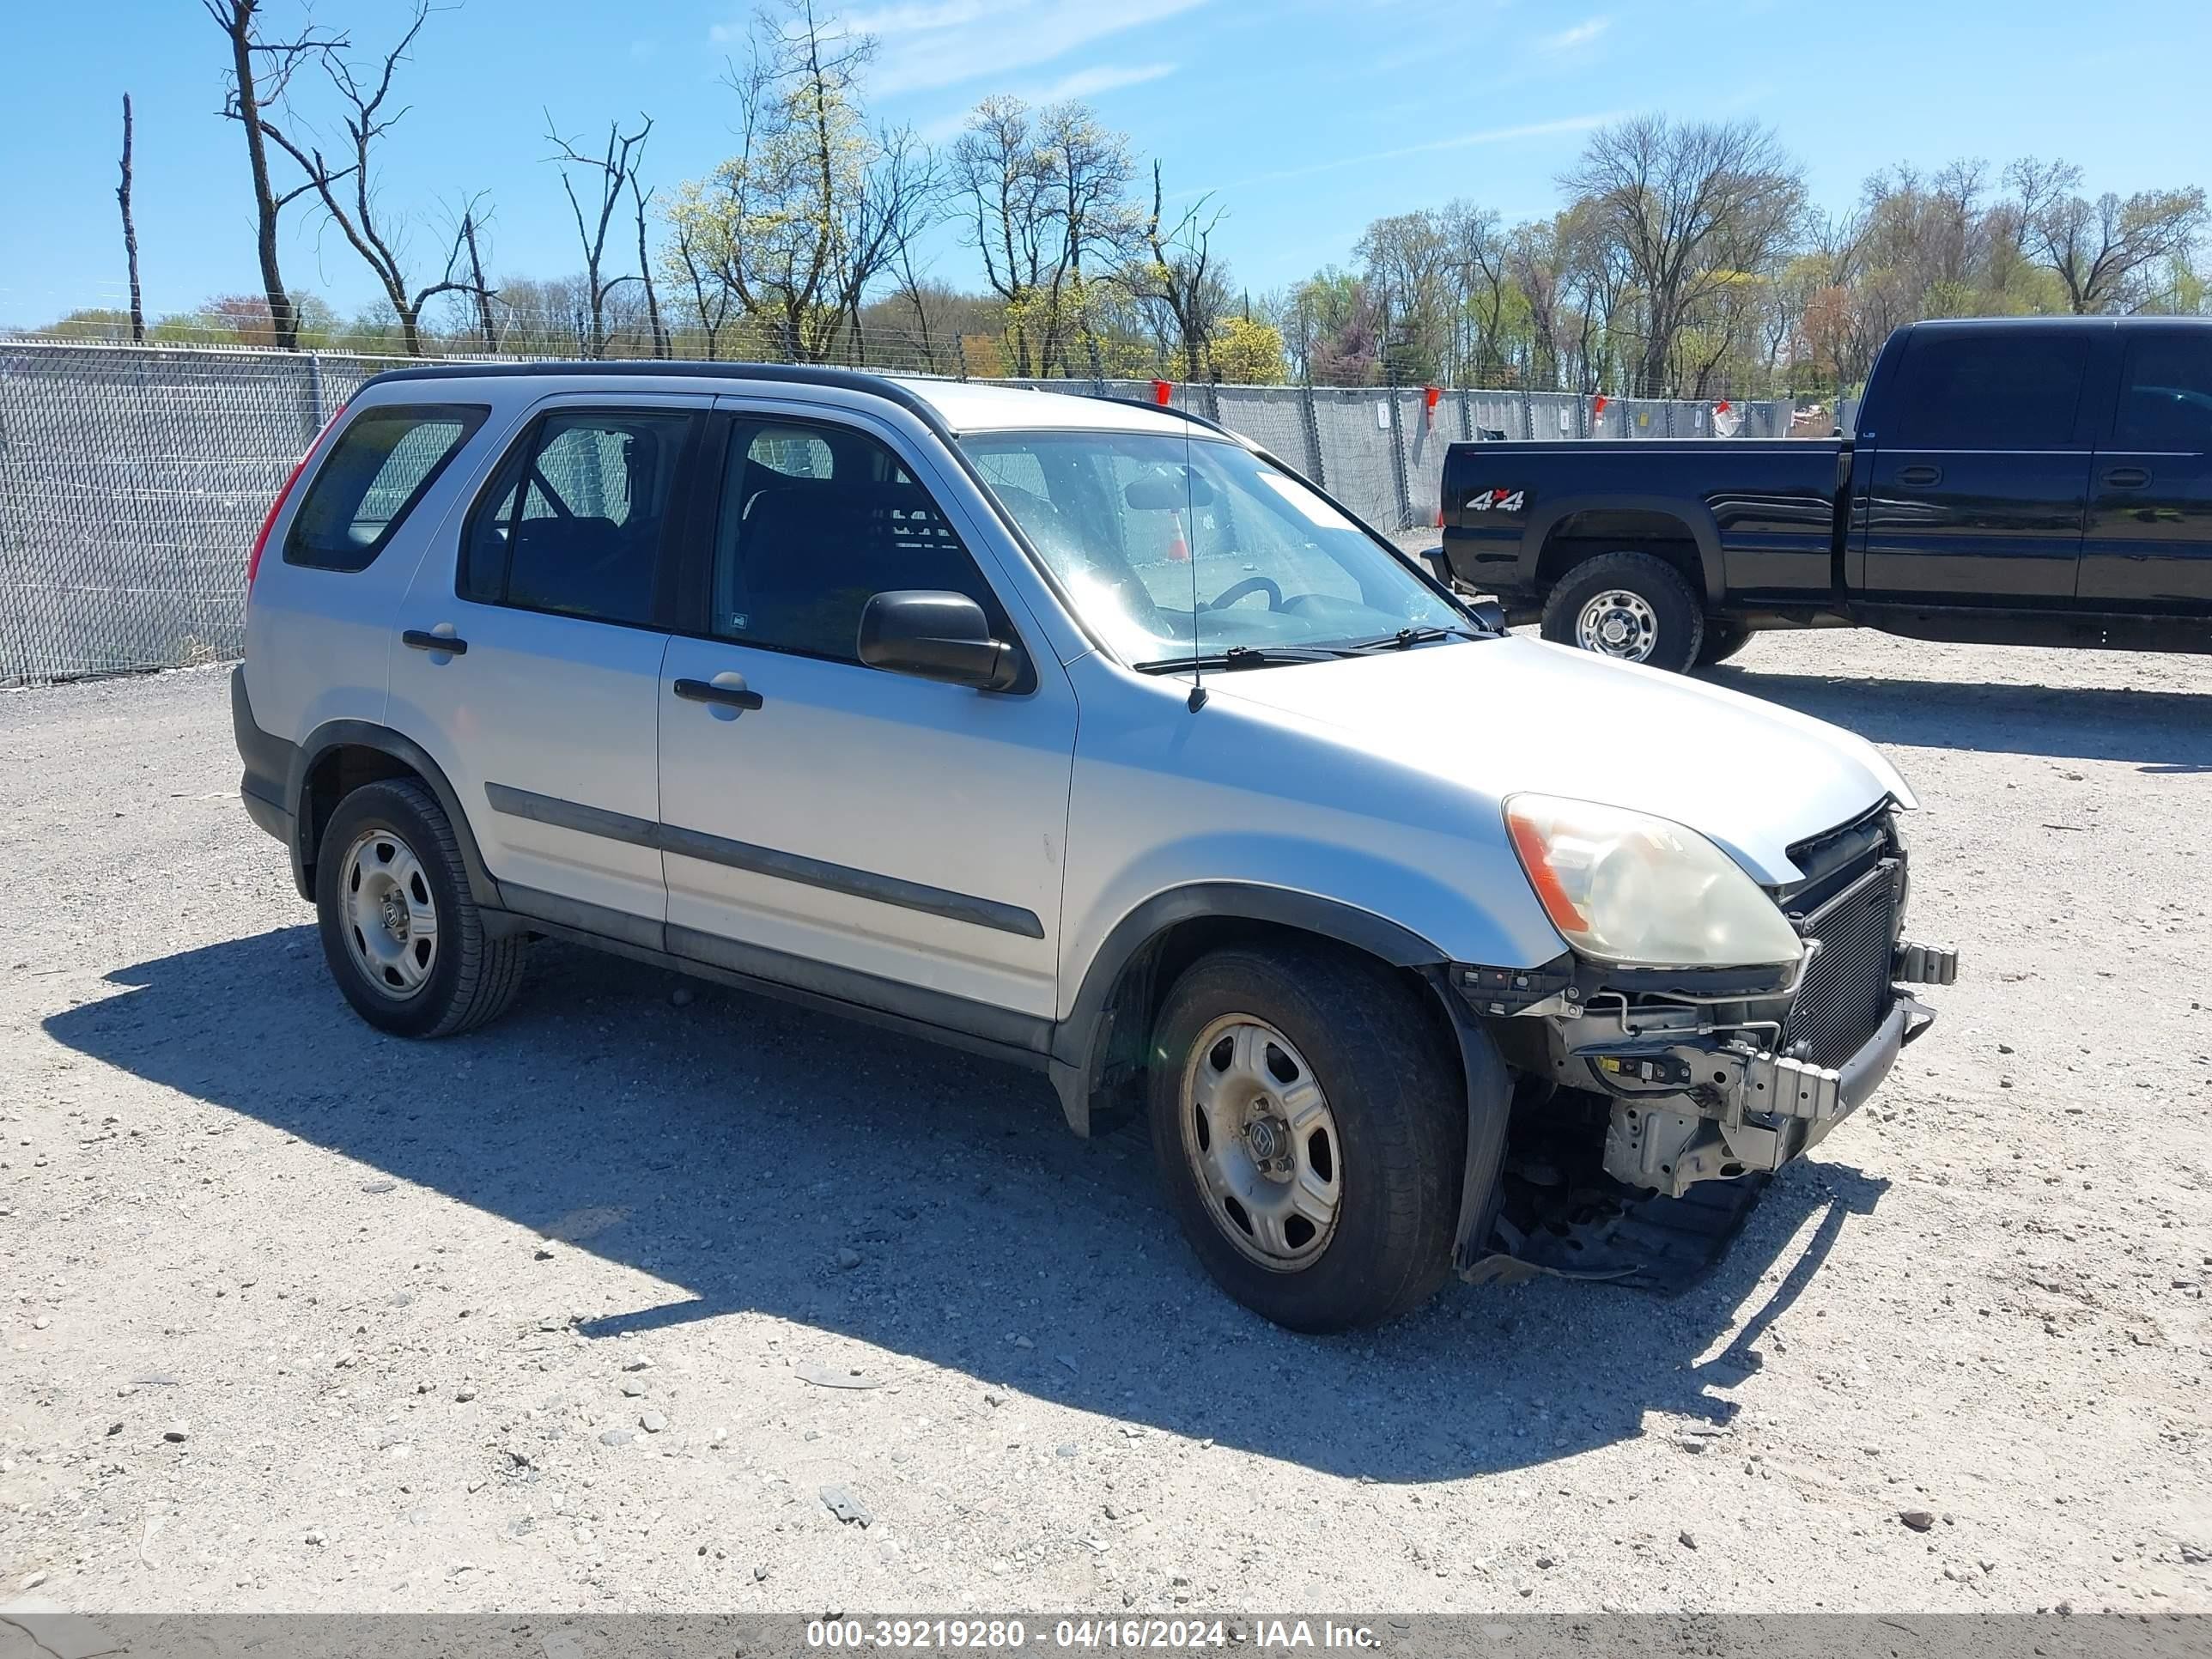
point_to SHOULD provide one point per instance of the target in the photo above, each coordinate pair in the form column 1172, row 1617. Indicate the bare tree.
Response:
column 910, row 289
column 2099, row 250
column 616, row 167
column 1689, row 208
column 1405, row 268
column 639, row 199
column 712, row 298
column 900, row 189
column 1182, row 275
column 1004, row 178
column 131, row 232
column 261, row 71
column 355, row 210
column 486, row 319
column 1476, row 250
column 1089, row 168
column 1042, row 192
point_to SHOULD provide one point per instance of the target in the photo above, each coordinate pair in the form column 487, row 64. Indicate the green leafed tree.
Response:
column 815, row 206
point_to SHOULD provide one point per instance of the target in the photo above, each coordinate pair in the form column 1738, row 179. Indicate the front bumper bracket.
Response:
column 1745, row 1109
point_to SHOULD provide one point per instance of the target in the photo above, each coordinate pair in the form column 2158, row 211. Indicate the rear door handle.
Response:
column 2127, row 477
column 417, row 639
column 729, row 696
column 1920, row 475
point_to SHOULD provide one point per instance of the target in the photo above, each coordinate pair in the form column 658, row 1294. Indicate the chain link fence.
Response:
column 133, row 478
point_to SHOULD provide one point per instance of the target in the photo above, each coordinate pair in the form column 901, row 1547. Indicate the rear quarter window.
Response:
column 383, row 463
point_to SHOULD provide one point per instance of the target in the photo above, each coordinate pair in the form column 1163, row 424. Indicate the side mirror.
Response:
column 1489, row 613
column 937, row 637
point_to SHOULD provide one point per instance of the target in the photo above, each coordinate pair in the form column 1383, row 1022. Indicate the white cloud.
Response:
column 1580, row 35
column 1462, row 141
column 1083, row 83
column 1106, row 77
column 927, row 44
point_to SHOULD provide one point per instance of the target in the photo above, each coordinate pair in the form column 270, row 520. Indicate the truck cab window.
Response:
column 1983, row 390
column 2165, row 394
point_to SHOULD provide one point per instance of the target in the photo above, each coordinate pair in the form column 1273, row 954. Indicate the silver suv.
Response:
column 1083, row 734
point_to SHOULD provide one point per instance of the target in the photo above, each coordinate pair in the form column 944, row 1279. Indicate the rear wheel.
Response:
column 1311, row 1128
column 402, row 937
column 1633, row 606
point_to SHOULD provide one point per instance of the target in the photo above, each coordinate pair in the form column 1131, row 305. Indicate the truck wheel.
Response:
column 1310, row 1126
column 404, row 940
column 1629, row 606
column 1722, row 640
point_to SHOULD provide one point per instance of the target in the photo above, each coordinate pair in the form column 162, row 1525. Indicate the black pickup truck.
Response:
column 2029, row 480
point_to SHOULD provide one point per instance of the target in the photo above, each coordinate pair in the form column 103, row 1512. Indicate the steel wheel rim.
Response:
column 1618, row 623
column 390, row 919
column 1262, row 1142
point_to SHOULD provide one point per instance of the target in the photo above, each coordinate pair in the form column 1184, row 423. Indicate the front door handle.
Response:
column 1920, row 475
column 417, row 639
column 2127, row 477
column 728, row 696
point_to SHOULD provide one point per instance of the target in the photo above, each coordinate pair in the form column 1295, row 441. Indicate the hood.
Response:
column 1503, row 716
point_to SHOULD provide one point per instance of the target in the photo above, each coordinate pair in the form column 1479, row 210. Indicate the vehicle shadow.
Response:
column 733, row 1146
column 2162, row 731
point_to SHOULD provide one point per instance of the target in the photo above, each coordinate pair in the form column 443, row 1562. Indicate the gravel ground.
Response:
column 295, row 1316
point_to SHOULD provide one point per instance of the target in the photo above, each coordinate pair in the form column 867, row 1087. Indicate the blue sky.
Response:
column 1306, row 117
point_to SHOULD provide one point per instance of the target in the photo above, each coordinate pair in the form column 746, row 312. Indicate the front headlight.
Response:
column 1624, row 887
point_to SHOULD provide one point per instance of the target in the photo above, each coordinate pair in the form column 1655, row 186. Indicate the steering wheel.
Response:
column 1223, row 600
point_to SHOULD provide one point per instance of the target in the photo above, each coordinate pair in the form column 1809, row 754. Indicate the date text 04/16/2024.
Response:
column 1011, row 1635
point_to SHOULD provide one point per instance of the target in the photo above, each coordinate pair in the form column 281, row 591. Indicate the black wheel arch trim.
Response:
column 1489, row 1114
column 1692, row 515
column 366, row 734
column 1074, row 1058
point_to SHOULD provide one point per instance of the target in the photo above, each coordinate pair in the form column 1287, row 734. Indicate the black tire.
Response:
column 1722, row 641
column 1399, row 1107
column 1678, row 613
column 473, row 977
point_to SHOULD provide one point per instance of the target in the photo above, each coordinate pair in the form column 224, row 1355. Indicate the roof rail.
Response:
column 1180, row 414
column 846, row 379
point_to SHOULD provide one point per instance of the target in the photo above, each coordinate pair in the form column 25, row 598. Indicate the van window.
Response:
column 574, row 521
column 383, row 463
column 2002, row 388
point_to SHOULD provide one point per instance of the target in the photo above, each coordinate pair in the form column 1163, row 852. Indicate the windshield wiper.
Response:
column 1243, row 656
column 1405, row 637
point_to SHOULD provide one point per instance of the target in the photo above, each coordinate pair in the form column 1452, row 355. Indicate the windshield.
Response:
column 1137, row 526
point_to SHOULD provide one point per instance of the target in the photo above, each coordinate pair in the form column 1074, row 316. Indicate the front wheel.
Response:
column 1633, row 606
column 1309, row 1125
column 1722, row 640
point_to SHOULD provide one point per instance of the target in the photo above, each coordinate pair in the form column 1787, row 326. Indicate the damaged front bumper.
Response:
column 1714, row 1105
column 1707, row 1080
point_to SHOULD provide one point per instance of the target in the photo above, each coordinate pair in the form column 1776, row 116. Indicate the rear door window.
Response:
column 574, row 520
column 2000, row 389
column 383, row 463
column 2165, row 394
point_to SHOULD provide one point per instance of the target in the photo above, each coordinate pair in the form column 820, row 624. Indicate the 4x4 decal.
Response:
column 1504, row 501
